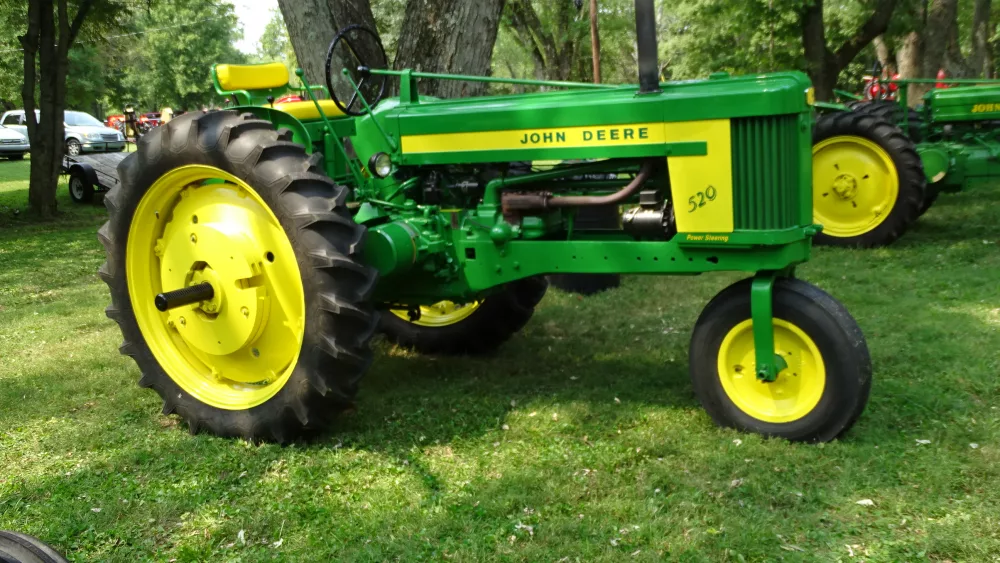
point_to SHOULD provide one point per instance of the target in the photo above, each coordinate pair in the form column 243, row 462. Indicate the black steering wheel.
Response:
column 358, row 49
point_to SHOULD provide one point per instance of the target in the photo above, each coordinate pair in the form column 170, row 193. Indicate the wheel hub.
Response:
column 216, row 253
column 855, row 185
column 845, row 186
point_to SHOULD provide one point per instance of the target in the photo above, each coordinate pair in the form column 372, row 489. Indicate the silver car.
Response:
column 13, row 145
column 84, row 133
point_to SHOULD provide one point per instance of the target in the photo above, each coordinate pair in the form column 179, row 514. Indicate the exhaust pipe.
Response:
column 645, row 31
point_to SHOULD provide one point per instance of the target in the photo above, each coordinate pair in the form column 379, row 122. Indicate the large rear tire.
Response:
column 868, row 181
column 469, row 328
column 816, row 398
column 892, row 111
column 223, row 198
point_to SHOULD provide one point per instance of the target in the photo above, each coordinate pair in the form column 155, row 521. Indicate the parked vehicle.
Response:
column 13, row 145
column 84, row 132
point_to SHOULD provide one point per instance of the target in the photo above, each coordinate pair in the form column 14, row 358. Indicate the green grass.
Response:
column 580, row 440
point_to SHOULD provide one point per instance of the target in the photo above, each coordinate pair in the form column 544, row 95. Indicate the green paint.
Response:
column 437, row 226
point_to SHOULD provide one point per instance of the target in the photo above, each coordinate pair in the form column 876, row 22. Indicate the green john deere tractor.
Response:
column 250, row 252
column 878, row 165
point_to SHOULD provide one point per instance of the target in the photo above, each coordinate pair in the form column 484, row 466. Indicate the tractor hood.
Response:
column 578, row 123
column 968, row 103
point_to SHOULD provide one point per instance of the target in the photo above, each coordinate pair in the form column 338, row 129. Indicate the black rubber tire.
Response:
column 909, row 169
column 605, row 217
column 890, row 110
column 328, row 246
column 497, row 319
column 85, row 191
column 930, row 196
column 73, row 147
column 835, row 333
column 16, row 547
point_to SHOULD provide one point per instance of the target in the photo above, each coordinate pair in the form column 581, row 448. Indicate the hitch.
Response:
column 768, row 362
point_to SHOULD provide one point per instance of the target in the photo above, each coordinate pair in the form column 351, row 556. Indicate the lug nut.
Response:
column 194, row 238
column 245, row 311
column 183, row 322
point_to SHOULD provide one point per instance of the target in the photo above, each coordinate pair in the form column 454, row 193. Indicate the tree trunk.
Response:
column 981, row 60
column 595, row 42
column 883, row 55
column 555, row 45
column 824, row 64
column 940, row 40
column 449, row 36
column 312, row 25
column 910, row 61
column 47, row 42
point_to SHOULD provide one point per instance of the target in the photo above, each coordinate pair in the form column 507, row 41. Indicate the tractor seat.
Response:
column 306, row 111
column 251, row 77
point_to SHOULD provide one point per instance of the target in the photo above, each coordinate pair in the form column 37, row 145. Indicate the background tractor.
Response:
column 878, row 165
column 250, row 251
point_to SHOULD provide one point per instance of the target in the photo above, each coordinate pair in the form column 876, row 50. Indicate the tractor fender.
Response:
column 281, row 119
column 86, row 171
column 936, row 162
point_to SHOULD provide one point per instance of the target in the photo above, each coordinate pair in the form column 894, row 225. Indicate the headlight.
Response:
column 93, row 136
column 380, row 164
column 120, row 137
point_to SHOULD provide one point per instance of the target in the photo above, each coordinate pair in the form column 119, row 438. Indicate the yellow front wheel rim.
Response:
column 199, row 224
column 442, row 313
column 855, row 185
column 797, row 389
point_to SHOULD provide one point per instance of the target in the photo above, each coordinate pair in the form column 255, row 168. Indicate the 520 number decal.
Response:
column 701, row 199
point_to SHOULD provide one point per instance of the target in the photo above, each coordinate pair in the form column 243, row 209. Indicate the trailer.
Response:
column 90, row 174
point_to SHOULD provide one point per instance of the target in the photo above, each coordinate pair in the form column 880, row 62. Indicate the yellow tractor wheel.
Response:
column 475, row 327
column 868, row 181
column 235, row 278
column 820, row 393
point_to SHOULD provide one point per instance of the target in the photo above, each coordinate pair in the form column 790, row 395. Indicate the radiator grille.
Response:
column 766, row 161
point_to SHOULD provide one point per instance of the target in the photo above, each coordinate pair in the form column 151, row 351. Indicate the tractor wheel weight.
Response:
column 184, row 296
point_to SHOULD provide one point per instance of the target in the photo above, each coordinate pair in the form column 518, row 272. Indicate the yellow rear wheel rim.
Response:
column 442, row 313
column 855, row 185
column 200, row 224
column 797, row 389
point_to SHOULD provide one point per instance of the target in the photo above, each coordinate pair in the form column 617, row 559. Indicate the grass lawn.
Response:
column 581, row 440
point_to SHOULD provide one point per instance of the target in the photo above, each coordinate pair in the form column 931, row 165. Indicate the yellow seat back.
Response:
column 251, row 77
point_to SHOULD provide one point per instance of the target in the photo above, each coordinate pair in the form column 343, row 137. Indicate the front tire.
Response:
column 223, row 198
column 868, row 181
column 473, row 328
column 16, row 547
column 816, row 398
column 73, row 147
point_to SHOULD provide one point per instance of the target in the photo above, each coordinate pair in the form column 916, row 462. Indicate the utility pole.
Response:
column 595, row 42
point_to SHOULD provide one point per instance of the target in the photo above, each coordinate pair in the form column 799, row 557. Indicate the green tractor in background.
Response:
column 878, row 165
column 252, row 252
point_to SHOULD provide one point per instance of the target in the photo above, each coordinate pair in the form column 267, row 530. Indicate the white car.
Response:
column 13, row 145
column 84, row 133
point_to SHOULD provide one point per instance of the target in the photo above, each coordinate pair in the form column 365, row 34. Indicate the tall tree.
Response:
column 312, row 25
column 453, row 36
column 449, row 36
column 52, row 28
column 554, row 33
column 824, row 63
